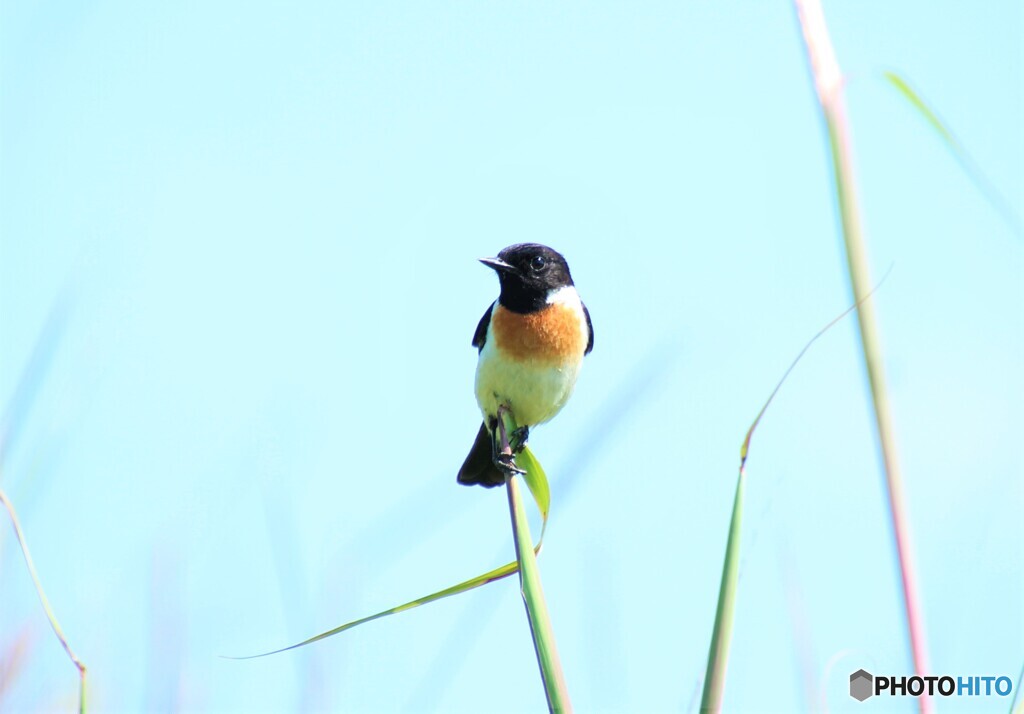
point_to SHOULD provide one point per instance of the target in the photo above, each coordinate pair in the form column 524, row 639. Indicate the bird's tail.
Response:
column 479, row 465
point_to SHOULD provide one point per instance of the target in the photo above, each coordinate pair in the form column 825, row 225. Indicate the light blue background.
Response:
column 264, row 223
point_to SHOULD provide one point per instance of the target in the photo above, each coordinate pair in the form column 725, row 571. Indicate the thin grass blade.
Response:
column 43, row 600
column 536, row 480
column 13, row 420
column 925, row 111
column 31, row 379
column 721, row 635
column 959, row 151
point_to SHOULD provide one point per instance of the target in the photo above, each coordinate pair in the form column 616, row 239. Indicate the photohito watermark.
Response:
column 864, row 684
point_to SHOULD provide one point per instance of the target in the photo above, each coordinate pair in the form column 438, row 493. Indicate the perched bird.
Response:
column 532, row 340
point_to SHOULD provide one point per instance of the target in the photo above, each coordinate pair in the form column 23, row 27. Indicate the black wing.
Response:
column 590, row 331
column 480, row 337
column 479, row 465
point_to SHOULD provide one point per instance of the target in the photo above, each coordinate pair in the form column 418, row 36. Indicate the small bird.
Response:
column 531, row 340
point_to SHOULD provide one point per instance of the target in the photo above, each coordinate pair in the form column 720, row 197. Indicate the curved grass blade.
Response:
column 44, row 601
column 536, row 481
column 721, row 636
column 959, row 151
column 11, row 423
column 745, row 447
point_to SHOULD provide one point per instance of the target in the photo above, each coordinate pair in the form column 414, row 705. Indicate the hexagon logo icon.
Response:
column 861, row 685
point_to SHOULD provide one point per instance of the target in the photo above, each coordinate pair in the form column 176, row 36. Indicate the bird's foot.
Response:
column 508, row 443
column 517, row 440
column 506, row 463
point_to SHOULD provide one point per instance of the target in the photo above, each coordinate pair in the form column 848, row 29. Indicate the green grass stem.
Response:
column 718, row 656
column 536, row 607
column 529, row 574
column 721, row 635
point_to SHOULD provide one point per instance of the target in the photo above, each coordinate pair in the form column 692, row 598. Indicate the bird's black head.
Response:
column 528, row 273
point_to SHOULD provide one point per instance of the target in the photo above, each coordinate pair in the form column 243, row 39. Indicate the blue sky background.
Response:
column 262, row 223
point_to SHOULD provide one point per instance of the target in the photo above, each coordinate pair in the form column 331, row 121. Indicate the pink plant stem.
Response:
column 828, row 82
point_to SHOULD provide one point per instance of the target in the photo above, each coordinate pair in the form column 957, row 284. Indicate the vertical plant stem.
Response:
column 530, row 585
column 828, row 83
column 718, row 655
column 44, row 601
column 536, row 607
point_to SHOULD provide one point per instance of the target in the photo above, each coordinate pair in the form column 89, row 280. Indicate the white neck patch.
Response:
column 566, row 295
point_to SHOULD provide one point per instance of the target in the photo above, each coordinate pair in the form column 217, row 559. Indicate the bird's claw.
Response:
column 506, row 463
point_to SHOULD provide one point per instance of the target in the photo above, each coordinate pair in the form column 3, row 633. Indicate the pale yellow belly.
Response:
column 534, row 390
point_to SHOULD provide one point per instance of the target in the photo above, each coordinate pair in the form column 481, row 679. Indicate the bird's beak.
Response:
column 499, row 265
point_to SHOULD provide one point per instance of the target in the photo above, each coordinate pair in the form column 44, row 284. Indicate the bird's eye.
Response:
column 538, row 262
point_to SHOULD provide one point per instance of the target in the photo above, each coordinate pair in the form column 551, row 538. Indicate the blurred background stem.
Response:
column 43, row 600
column 828, row 83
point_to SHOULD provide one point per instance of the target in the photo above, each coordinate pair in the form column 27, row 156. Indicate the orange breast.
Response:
column 551, row 335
